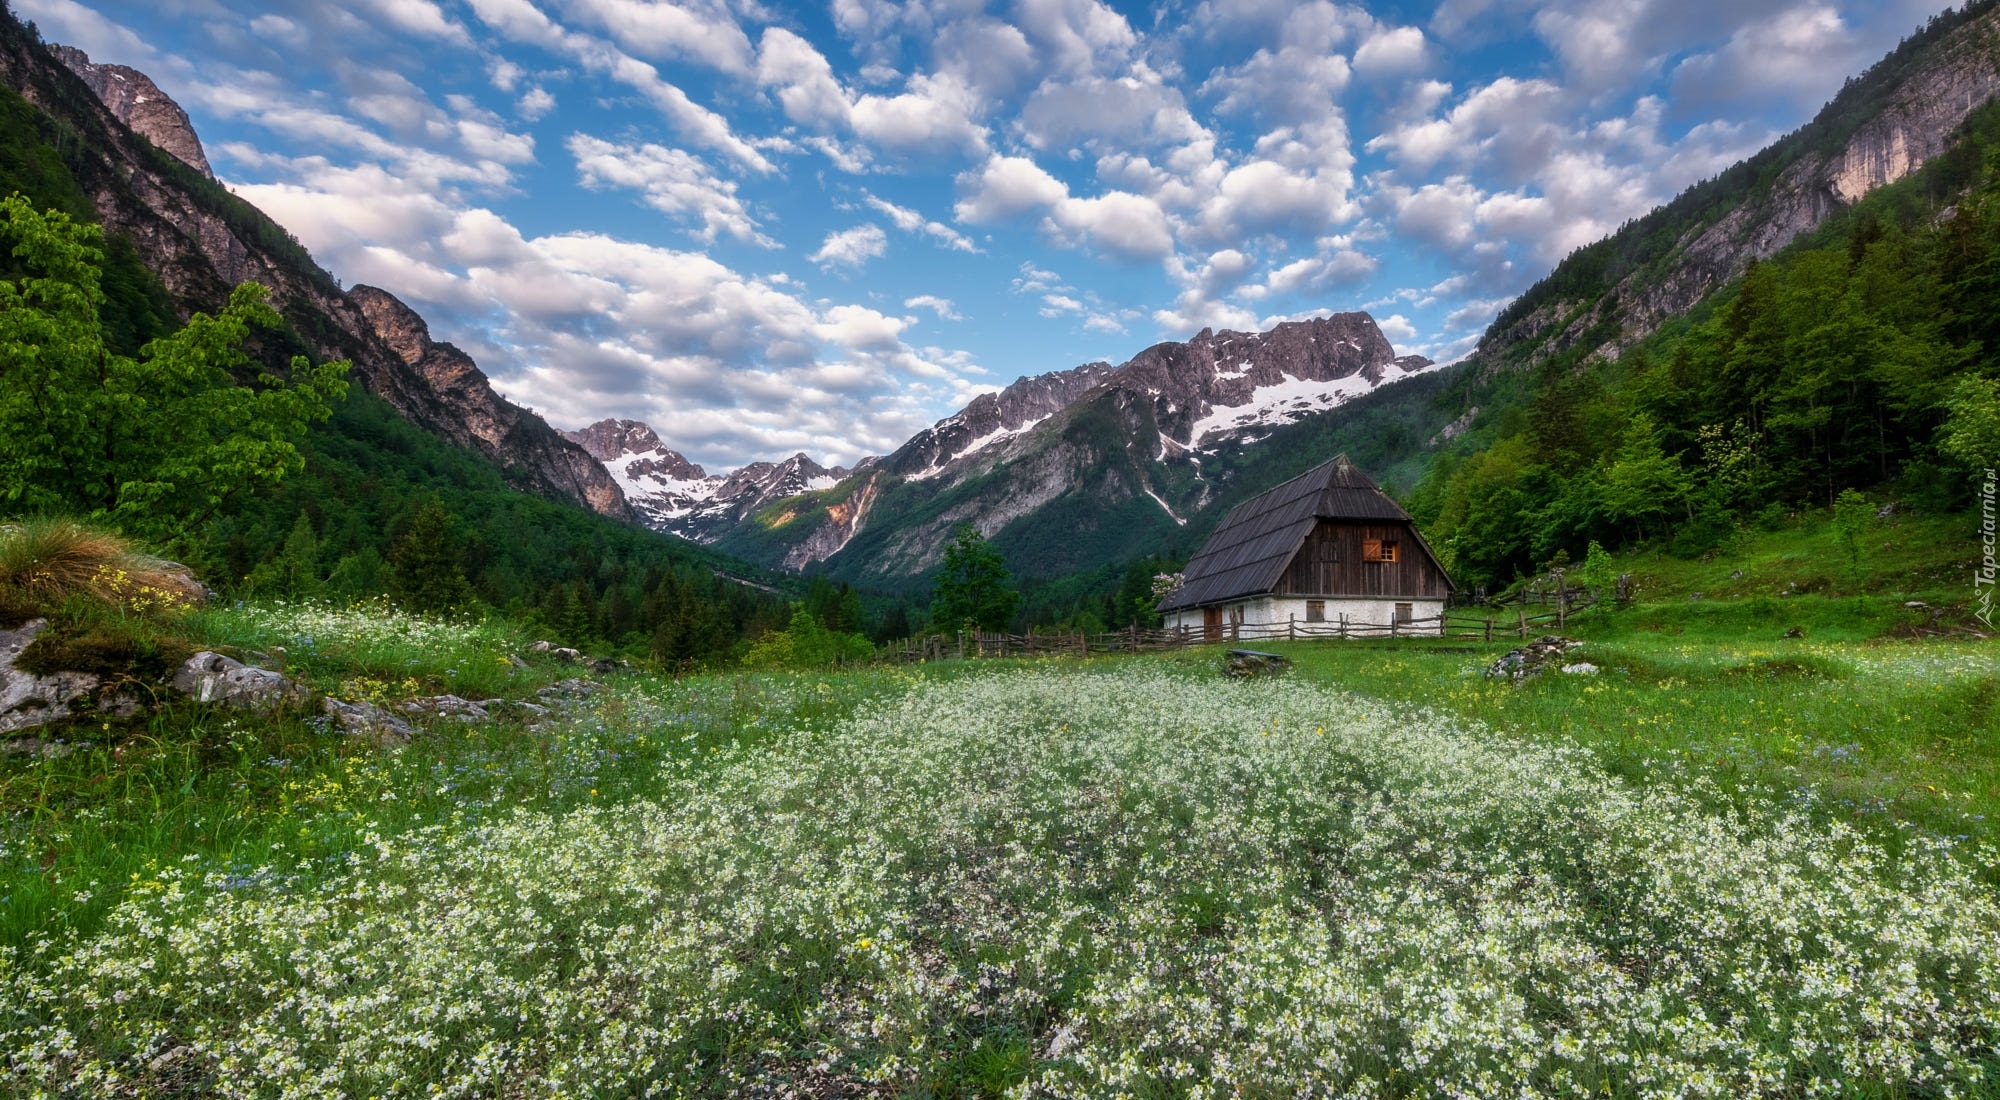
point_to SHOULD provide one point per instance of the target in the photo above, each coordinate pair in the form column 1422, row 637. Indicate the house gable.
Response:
column 1261, row 540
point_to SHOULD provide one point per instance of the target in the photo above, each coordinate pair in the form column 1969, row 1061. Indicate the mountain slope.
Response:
column 1069, row 470
column 200, row 241
column 1883, row 126
column 1822, row 319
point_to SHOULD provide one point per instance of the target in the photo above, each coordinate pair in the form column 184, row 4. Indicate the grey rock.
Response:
column 565, row 691
column 28, row 700
column 448, row 706
column 1531, row 660
column 369, row 721
column 210, row 677
column 516, row 662
column 1581, row 668
column 37, row 747
column 1248, row 664
column 133, row 98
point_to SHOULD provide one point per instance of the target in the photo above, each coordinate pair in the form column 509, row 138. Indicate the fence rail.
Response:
column 1460, row 624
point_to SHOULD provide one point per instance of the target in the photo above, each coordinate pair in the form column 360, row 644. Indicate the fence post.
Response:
column 1343, row 625
column 1291, row 628
column 1522, row 611
column 1489, row 628
column 1395, row 625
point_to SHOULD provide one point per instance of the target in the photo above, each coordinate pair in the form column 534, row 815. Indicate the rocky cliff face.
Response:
column 133, row 99
column 202, row 241
column 1823, row 172
column 523, row 445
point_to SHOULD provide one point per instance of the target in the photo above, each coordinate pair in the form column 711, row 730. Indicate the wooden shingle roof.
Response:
column 1248, row 552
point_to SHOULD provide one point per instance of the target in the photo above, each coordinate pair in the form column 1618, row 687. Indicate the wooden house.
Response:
column 1326, row 547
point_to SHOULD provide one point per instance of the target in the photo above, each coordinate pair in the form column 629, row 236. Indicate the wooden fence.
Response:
column 1485, row 624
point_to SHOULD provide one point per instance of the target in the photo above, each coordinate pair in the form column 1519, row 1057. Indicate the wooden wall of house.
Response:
column 1330, row 564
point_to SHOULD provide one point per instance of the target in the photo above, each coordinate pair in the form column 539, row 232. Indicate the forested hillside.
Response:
column 379, row 505
column 1864, row 355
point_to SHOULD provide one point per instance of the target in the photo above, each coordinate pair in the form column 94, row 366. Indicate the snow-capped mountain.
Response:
column 674, row 495
column 1093, row 440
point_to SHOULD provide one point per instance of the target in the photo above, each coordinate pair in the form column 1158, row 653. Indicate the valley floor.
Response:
column 1724, row 864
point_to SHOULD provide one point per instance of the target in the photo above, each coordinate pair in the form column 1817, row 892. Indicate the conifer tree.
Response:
column 426, row 575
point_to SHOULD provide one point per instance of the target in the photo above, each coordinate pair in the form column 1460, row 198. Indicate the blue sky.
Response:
column 767, row 228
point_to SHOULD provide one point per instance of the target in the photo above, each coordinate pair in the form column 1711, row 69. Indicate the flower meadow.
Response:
column 1064, row 882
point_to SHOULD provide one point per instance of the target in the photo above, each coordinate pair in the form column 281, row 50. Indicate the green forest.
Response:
column 1866, row 355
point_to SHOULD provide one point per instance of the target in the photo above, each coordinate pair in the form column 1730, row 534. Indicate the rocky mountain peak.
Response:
column 612, row 438
column 133, row 99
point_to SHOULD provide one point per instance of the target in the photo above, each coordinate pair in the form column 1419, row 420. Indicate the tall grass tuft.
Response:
column 47, row 563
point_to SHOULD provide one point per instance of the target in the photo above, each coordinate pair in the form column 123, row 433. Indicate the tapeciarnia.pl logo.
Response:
column 1989, row 538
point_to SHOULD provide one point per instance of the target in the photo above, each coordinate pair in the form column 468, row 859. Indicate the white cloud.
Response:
column 935, row 113
column 852, row 247
column 910, row 221
column 419, row 17
column 1121, row 223
column 673, row 181
column 536, row 104
column 521, row 21
column 1392, row 51
column 704, row 32
column 943, row 307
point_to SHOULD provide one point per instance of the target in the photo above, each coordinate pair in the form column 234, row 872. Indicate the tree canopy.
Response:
column 155, row 443
column 973, row 585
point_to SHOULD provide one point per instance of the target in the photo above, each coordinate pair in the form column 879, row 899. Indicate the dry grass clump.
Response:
column 47, row 563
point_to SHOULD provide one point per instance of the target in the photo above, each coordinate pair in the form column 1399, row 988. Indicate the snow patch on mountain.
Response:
column 1283, row 402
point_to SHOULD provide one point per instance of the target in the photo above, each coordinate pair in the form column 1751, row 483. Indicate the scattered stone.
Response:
column 1916, row 605
column 28, row 700
column 1796, row 632
column 1532, row 659
column 518, row 708
column 1888, row 509
column 517, row 662
column 541, row 647
column 369, row 721
column 604, row 664
column 1736, row 575
column 35, row 746
column 448, row 706
column 210, row 677
column 565, row 653
column 118, row 701
column 1581, row 668
column 1696, row 595
column 563, row 691
column 1247, row 664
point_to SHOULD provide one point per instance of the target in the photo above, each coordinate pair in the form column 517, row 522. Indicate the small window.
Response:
column 1378, row 549
column 1405, row 613
column 1315, row 611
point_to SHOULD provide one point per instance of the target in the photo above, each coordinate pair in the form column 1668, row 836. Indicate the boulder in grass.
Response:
column 1248, row 664
column 369, row 721
column 28, row 700
column 1531, row 660
column 210, row 677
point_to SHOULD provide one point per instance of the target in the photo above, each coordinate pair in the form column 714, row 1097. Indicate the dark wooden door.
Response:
column 1211, row 623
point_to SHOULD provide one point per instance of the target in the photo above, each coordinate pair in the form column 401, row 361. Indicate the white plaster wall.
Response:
column 1268, row 611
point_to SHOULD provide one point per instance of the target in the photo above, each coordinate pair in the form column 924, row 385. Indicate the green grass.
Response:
column 1904, row 733
column 191, row 782
column 826, row 856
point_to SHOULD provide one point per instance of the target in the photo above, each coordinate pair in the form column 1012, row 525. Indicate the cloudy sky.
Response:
column 766, row 228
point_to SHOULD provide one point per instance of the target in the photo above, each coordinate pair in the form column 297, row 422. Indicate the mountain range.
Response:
column 1067, row 470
